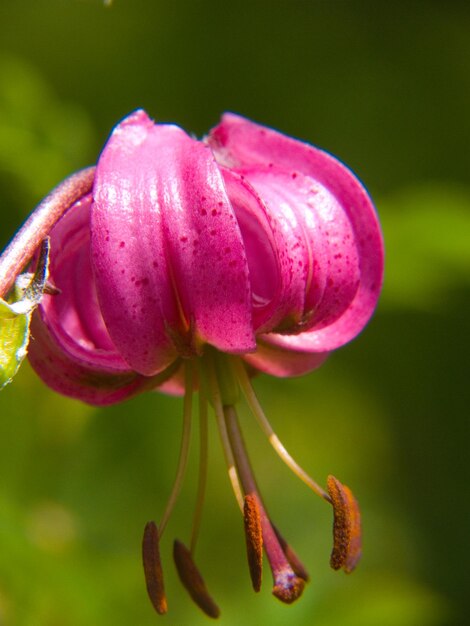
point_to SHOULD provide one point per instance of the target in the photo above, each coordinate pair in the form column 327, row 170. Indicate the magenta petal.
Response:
column 70, row 348
column 76, row 378
column 273, row 358
column 264, row 255
column 322, row 273
column 168, row 256
column 241, row 144
column 73, row 316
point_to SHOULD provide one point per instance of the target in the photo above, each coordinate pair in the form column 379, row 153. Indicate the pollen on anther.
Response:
column 254, row 539
column 153, row 568
column 192, row 580
column 347, row 543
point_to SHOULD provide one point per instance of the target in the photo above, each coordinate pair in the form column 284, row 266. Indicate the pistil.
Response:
column 287, row 585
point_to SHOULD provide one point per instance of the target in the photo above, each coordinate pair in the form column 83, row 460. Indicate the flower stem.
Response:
column 184, row 449
column 258, row 412
column 26, row 241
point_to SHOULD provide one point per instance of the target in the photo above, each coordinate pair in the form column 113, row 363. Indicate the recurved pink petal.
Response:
column 276, row 359
column 74, row 377
column 73, row 316
column 263, row 249
column 167, row 253
column 322, row 276
column 244, row 145
column 70, row 347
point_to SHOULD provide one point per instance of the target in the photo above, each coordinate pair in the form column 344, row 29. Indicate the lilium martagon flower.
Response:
column 186, row 267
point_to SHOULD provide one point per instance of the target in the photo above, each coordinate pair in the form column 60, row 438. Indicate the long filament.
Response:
column 258, row 412
column 184, row 449
column 287, row 585
column 219, row 414
column 203, row 457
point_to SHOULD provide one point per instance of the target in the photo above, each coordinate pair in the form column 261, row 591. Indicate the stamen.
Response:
column 254, row 540
column 347, row 543
column 153, row 568
column 203, row 455
column 184, row 450
column 216, row 401
column 258, row 412
column 193, row 581
column 287, row 585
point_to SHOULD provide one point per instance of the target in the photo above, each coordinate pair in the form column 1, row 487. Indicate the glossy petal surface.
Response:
column 71, row 349
column 251, row 241
column 272, row 357
column 245, row 146
column 168, row 256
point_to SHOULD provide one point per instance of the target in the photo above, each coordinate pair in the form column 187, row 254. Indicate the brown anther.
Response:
column 291, row 556
column 153, row 568
column 254, row 539
column 192, row 580
column 355, row 544
column 288, row 587
column 347, row 543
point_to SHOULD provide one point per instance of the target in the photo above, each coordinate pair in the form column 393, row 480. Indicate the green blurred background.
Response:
column 386, row 87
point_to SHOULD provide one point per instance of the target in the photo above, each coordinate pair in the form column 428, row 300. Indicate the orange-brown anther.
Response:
column 153, row 568
column 254, row 539
column 192, row 580
column 355, row 544
column 347, row 544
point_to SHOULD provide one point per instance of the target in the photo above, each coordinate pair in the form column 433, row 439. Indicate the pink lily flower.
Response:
column 189, row 265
